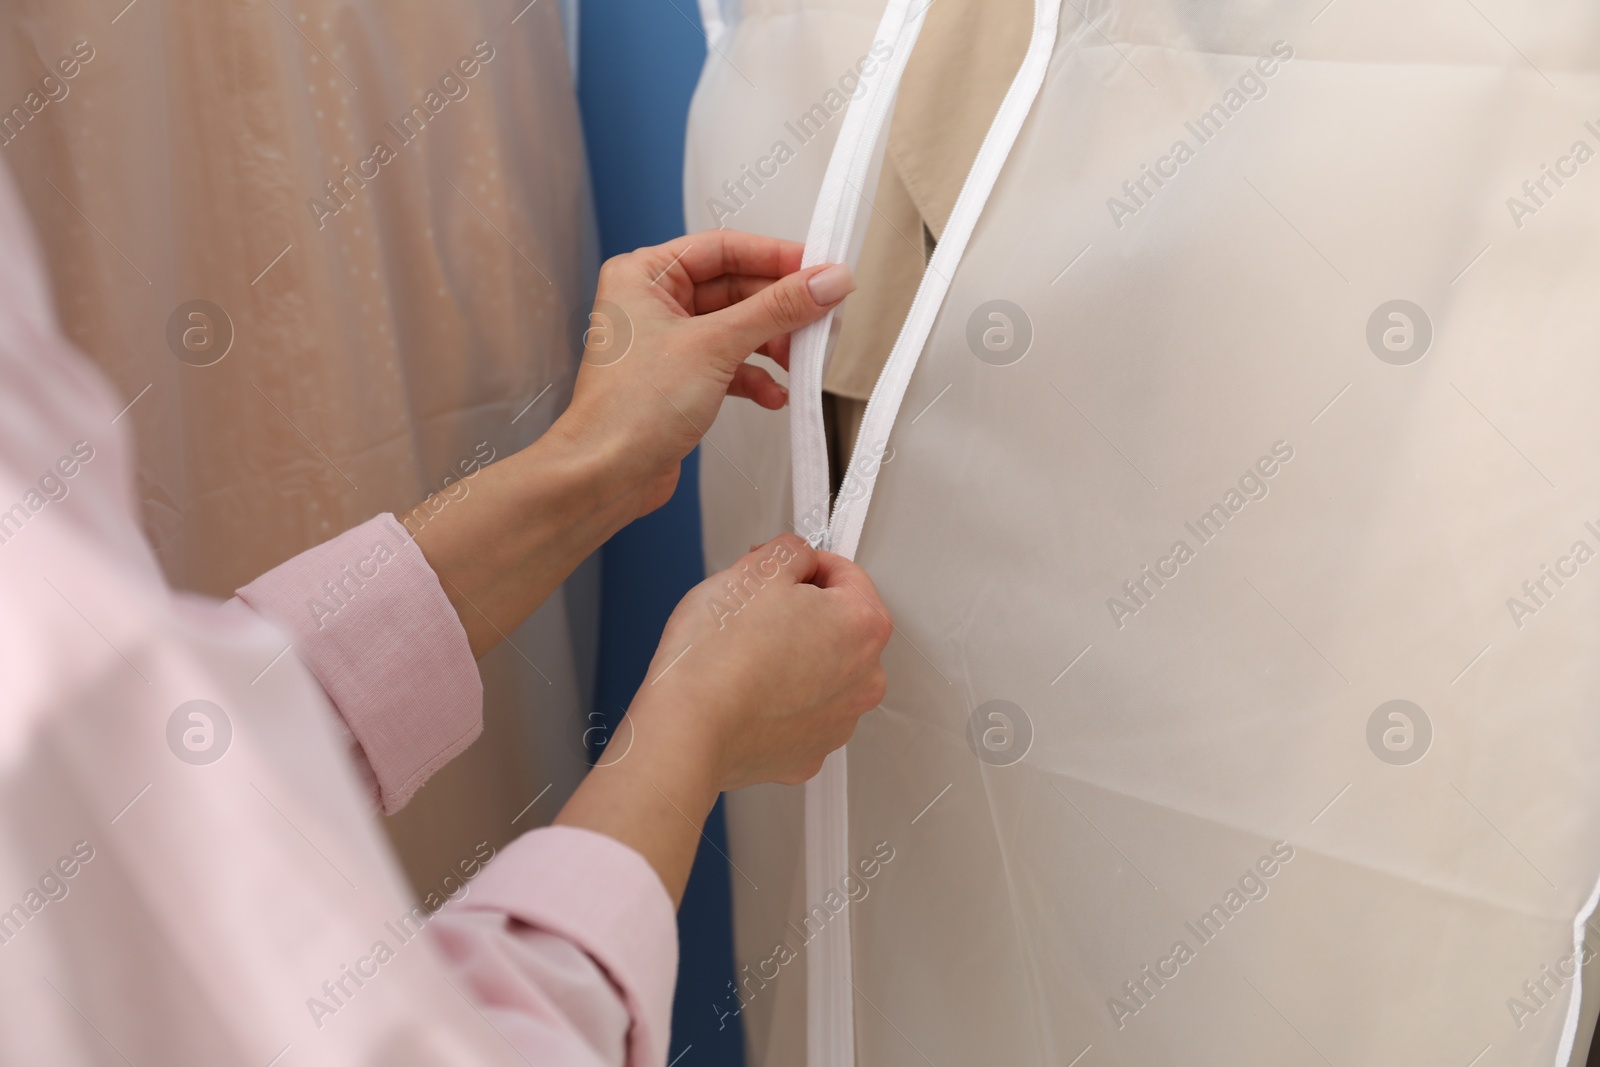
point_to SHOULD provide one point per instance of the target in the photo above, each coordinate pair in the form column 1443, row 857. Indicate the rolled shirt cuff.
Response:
column 367, row 615
column 605, row 898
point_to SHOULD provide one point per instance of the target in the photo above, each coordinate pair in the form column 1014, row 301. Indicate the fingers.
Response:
column 785, row 556
column 728, row 271
column 702, row 256
column 726, row 290
column 834, row 572
column 777, row 350
column 753, row 383
column 729, row 289
column 787, row 304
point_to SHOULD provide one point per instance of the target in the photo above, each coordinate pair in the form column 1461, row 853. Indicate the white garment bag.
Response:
column 1234, row 492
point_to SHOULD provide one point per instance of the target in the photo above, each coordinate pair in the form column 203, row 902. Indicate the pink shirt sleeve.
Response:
column 512, row 940
column 568, row 940
column 367, row 615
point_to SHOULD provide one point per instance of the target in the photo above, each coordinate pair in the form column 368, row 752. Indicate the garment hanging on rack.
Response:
column 390, row 316
column 1259, row 505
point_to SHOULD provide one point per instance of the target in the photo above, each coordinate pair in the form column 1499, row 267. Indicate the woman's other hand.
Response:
column 772, row 661
column 668, row 339
column 762, row 671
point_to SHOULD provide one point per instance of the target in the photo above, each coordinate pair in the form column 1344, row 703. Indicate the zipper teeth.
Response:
column 830, row 1017
column 828, row 240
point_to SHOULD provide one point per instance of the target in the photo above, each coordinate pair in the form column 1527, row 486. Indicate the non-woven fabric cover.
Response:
column 376, row 352
column 1428, row 474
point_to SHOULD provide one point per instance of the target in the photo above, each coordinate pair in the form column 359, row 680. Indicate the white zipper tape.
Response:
column 883, row 406
column 828, row 241
column 830, row 987
column 830, row 1004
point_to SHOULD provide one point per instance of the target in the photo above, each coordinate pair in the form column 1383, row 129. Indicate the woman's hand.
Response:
column 668, row 338
column 763, row 670
column 667, row 341
column 772, row 661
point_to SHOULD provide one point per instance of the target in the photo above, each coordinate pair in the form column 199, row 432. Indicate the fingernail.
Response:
column 831, row 285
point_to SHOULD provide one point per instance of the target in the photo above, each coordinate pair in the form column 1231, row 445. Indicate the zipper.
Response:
column 830, row 987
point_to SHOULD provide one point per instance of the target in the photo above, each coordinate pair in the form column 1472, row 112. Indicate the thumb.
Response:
column 789, row 303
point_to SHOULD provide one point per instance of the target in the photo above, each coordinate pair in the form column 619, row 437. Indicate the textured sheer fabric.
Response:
column 394, row 315
column 1336, row 351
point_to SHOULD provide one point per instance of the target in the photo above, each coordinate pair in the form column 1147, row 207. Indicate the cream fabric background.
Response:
column 371, row 356
column 949, row 962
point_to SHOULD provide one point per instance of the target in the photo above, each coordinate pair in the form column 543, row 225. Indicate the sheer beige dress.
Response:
column 373, row 337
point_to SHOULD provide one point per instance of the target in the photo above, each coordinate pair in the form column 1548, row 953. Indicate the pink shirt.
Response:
column 187, row 882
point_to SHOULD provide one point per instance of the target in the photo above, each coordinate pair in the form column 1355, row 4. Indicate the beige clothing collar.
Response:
column 965, row 58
